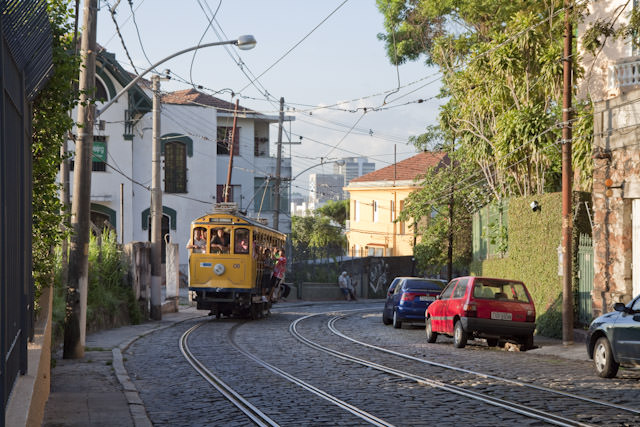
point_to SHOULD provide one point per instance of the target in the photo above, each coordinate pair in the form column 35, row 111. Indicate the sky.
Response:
column 322, row 56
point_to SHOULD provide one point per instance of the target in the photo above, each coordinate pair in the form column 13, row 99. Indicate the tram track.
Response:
column 538, row 402
column 331, row 326
column 516, row 407
column 253, row 413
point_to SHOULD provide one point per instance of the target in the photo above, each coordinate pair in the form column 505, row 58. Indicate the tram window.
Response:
column 198, row 241
column 219, row 241
column 241, row 241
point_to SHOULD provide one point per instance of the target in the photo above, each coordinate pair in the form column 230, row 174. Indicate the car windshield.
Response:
column 424, row 284
column 500, row 290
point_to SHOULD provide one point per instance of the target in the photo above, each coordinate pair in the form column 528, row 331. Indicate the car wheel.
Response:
column 385, row 319
column 459, row 336
column 605, row 365
column 396, row 322
column 431, row 336
column 492, row 342
column 526, row 343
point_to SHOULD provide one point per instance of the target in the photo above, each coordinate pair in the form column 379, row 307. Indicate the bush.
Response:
column 110, row 299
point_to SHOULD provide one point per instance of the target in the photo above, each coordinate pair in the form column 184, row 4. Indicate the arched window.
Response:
column 175, row 167
column 101, row 91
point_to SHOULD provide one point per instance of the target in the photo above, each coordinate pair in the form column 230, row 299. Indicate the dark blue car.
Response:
column 614, row 339
column 408, row 298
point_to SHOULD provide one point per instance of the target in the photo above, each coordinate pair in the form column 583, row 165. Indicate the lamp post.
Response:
column 245, row 42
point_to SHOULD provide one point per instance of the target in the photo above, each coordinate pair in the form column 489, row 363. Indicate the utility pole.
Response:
column 156, row 206
column 122, row 213
column 77, row 286
column 276, row 212
column 451, row 213
column 567, row 227
column 227, row 187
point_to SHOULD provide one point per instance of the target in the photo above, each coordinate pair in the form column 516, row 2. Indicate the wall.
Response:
column 532, row 256
column 617, row 157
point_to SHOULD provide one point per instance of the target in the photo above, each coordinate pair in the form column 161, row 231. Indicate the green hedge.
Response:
column 532, row 255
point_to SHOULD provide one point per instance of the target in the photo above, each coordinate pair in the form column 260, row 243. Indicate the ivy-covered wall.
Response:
column 532, row 253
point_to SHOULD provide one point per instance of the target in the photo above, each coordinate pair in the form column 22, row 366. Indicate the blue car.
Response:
column 408, row 298
column 614, row 339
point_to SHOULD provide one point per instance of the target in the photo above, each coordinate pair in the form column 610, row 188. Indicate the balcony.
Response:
column 623, row 75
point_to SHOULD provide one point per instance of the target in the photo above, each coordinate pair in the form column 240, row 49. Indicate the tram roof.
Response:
column 228, row 218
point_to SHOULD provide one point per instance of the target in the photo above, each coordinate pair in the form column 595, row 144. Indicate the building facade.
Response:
column 612, row 81
column 377, row 199
column 324, row 187
column 353, row 167
column 195, row 131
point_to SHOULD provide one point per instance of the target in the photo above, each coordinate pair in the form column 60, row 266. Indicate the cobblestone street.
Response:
column 174, row 394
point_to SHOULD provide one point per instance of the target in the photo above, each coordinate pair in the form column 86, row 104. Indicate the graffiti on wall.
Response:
column 378, row 274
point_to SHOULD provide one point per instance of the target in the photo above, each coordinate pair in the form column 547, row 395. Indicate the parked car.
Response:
column 482, row 307
column 614, row 339
column 407, row 299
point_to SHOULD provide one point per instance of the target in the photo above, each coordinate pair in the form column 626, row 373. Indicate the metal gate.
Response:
column 25, row 63
column 585, row 279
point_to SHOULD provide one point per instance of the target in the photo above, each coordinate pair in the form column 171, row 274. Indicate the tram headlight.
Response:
column 218, row 269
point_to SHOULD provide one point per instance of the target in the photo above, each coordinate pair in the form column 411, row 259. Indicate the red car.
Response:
column 494, row 309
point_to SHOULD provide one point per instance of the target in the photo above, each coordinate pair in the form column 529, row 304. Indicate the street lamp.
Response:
column 322, row 162
column 245, row 42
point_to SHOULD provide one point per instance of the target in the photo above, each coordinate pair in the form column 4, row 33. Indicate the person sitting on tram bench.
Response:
column 199, row 242
column 220, row 241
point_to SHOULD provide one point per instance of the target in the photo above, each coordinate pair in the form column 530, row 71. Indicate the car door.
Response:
column 388, row 304
column 437, row 308
column 626, row 341
column 454, row 304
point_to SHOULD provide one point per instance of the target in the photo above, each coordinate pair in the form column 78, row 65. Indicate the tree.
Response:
column 441, row 211
column 316, row 236
column 338, row 211
column 502, row 76
column 51, row 125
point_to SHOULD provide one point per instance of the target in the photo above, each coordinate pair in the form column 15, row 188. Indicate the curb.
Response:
column 136, row 405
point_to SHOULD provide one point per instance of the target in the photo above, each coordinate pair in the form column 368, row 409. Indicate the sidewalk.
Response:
column 553, row 347
column 97, row 391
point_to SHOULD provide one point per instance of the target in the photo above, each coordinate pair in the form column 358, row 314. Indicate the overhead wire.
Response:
column 297, row 44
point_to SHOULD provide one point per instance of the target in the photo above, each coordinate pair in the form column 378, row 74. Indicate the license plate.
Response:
column 427, row 298
column 497, row 315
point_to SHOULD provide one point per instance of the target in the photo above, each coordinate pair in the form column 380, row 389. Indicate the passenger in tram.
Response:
column 267, row 271
column 241, row 245
column 278, row 288
column 198, row 243
column 220, row 242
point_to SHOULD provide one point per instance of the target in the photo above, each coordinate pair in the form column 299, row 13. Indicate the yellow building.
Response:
column 376, row 200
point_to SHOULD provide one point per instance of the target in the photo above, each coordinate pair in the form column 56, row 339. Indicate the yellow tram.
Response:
column 227, row 262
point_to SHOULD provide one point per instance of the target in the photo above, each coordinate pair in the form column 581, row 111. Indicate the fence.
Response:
column 585, row 279
column 25, row 62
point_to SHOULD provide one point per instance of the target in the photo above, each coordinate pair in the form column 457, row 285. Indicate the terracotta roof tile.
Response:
column 194, row 97
column 408, row 169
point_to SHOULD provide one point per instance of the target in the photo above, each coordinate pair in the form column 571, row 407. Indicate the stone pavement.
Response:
column 97, row 391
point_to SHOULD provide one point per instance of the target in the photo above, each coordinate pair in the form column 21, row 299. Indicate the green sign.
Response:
column 99, row 152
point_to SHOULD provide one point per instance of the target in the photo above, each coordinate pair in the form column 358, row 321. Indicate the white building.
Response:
column 324, row 187
column 195, row 131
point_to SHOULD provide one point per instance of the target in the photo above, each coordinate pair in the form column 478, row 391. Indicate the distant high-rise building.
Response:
column 324, row 187
column 353, row 167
